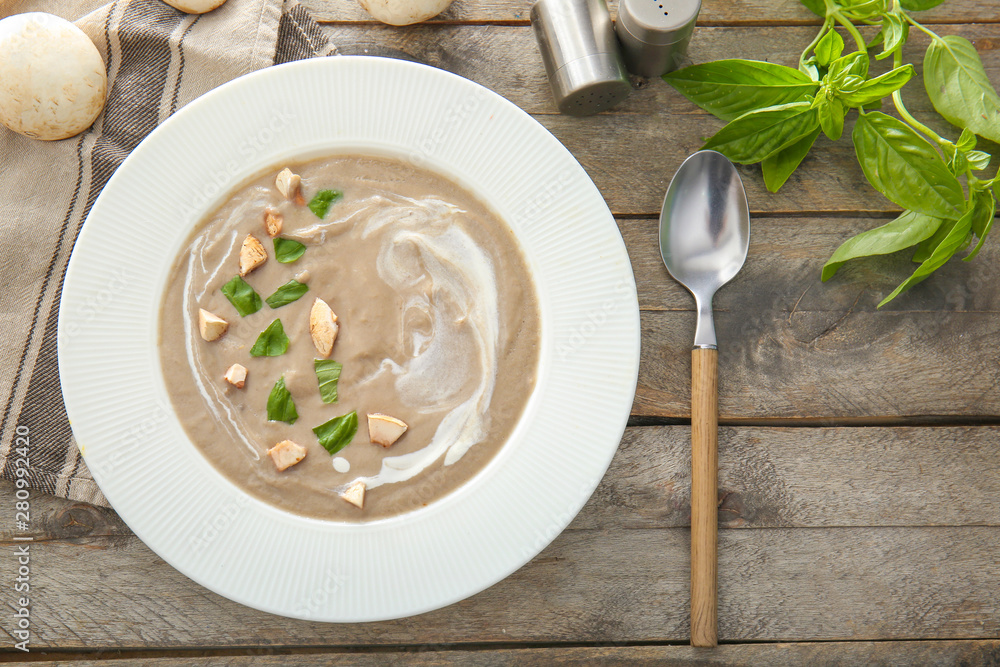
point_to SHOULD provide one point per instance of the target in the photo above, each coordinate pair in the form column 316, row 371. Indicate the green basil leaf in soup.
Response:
column 287, row 293
column 280, row 406
column 287, row 251
column 272, row 341
column 322, row 201
column 728, row 89
column 959, row 87
column 337, row 433
column 243, row 297
column 327, row 375
column 905, row 168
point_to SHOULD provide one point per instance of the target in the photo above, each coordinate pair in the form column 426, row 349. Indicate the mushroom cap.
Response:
column 195, row 6
column 404, row 12
column 52, row 78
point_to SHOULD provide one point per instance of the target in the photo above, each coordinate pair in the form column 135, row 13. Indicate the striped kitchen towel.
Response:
column 158, row 59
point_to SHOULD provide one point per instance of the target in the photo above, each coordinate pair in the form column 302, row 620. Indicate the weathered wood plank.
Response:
column 828, row 366
column 633, row 151
column 768, row 477
column 734, row 12
column 595, row 586
column 781, row 277
column 806, row 477
column 821, row 654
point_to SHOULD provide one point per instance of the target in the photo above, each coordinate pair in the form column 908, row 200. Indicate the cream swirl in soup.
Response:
column 437, row 329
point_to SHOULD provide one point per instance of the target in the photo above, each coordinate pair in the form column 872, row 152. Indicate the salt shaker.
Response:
column 654, row 34
column 581, row 55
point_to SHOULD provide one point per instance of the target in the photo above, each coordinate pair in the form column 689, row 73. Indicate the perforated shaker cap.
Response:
column 658, row 22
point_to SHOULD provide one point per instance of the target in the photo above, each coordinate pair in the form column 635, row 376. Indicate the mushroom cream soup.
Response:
column 350, row 338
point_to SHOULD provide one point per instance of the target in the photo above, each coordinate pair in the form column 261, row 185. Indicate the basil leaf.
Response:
column 919, row 5
column 984, row 208
column 907, row 230
column 287, row 251
column 895, row 31
column 853, row 64
column 778, row 167
column 322, row 201
column 280, row 406
column 959, row 87
column 728, row 89
column 864, row 9
column 881, row 86
column 271, row 342
column 337, row 433
column 760, row 134
column 967, row 141
column 905, row 168
column 830, row 47
column 327, row 375
column 955, row 239
column 831, row 117
column 978, row 160
column 287, row 293
column 243, row 297
column 817, row 7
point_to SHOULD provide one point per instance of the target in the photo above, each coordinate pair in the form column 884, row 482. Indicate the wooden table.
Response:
column 860, row 458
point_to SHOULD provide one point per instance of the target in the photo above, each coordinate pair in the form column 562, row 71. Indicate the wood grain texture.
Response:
column 793, row 347
column 820, row 654
column 704, row 496
column 632, row 151
column 736, row 12
column 599, row 585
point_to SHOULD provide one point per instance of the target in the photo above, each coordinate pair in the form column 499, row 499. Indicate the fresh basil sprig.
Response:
column 287, row 293
column 287, row 251
column 337, row 433
column 280, row 406
column 272, row 341
column 243, row 297
column 774, row 115
column 327, row 375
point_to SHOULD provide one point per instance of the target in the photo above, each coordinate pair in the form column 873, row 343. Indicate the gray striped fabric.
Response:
column 158, row 59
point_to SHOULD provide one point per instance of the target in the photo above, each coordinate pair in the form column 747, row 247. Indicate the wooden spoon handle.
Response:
column 704, row 495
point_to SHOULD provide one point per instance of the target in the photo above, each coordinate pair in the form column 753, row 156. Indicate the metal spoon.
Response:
column 704, row 235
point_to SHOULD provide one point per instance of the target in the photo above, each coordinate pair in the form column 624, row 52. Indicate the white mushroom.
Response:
column 195, row 6
column 404, row 12
column 323, row 327
column 211, row 325
column 355, row 494
column 272, row 222
column 252, row 254
column 52, row 78
column 286, row 453
column 383, row 429
column 288, row 184
column 236, row 375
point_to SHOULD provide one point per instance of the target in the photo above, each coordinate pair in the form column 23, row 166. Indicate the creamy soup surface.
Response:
column 438, row 328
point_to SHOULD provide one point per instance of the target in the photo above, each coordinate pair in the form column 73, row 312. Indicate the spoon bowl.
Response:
column 705, row 231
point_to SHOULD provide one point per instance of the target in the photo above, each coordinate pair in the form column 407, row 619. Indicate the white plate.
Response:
column 204, row 526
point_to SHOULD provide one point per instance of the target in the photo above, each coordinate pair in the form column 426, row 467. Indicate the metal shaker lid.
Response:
column 581, row 55
column 659, row 22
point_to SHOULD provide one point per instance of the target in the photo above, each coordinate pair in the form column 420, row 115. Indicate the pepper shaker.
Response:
column 654, row 34
column 581, row 55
